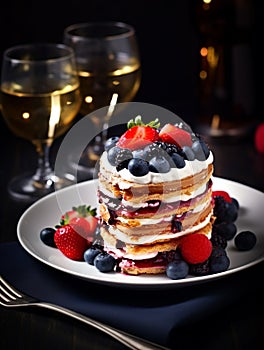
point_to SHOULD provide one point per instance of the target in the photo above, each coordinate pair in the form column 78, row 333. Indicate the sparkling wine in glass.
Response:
column 40, row 99
column 109, row 68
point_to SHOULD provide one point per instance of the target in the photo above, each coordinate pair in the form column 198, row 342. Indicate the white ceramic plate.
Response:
column 47, row 211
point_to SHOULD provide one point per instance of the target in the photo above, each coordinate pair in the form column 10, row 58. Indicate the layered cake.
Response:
column 155, row 188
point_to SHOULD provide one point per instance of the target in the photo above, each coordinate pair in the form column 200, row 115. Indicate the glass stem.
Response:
column 43, row 177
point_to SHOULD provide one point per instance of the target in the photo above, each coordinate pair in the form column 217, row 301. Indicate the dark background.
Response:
column 167, row 33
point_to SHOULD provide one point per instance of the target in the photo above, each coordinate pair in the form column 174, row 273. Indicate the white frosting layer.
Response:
column 182, row 197
column 191, row 168
column 152, row 238
column 150, row 221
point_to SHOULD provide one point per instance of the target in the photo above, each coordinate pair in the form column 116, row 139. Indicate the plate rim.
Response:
column 143, row 281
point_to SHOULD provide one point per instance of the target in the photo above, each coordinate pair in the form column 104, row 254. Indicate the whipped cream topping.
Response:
column 191, row 168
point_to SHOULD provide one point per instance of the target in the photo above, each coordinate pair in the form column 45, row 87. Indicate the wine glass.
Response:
column 40, row 99
column 109, row 66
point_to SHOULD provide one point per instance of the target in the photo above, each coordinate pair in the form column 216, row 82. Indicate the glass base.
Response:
column 24, row 187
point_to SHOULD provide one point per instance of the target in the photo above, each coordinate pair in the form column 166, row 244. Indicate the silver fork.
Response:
column 11, row 297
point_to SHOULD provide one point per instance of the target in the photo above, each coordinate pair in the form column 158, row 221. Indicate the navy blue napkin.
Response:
column 151, row 314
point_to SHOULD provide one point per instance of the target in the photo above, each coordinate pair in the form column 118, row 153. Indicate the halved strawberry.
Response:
column 69, row 215
column 85, row 226
column 172, row 134
column 83, row 219
column 223, row 194
column 70, row 242
column 138, row 137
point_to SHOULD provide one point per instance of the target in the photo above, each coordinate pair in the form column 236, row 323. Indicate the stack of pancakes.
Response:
column 144, row 217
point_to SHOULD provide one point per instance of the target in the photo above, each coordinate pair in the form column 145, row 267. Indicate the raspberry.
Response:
column 195, row 248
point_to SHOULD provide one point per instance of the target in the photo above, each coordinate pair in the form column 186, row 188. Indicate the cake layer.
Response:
column 134, row 230
column 154, row 210
column 146, row 258
column 118, row 238
column 139, row 193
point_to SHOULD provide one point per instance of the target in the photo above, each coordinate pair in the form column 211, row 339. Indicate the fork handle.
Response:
column 131, row 341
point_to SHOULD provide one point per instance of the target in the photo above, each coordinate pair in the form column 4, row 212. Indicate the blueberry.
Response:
column 227, row 230
column 159, row 164
column 205, row 148
column 90, row 254
column 187, row 153
column 245, row 240
column 154, row 150
column 111, row 142
column 105, row 262
column 47, row 236
column 235, row 202
column 224, row 211
column 176, row 225
column 198, row 150
column 112, row 155
column 138, row 167
column 231, row 212
column 123, row 154
column 139, row 153
column 219, row 263
column 178, row 160
column 177, row 269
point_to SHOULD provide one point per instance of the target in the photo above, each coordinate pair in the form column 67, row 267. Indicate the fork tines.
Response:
column 8, row 294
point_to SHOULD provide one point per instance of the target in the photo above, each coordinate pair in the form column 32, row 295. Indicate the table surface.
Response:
column 240, row 327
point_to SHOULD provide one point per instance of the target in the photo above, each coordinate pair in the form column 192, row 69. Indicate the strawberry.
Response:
column 172, row 134
column 69, row 215
column 85, row 226
column 70, row 242
column 139, row 134
column 223, row 194
column 76, row 231
column 138, row 137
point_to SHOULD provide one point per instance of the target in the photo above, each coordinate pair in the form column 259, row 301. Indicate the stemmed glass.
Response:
column 40, row 99
column 109, row 66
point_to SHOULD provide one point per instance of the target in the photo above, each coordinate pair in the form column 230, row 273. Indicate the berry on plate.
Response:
column 76, row 231
column 47, row 236
column 83, row 220
column 224, row 211
column 195, row 248
column 223, row 194
column 105, row 262
column 177, row 269
column 245, row 240
column 70, row 242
